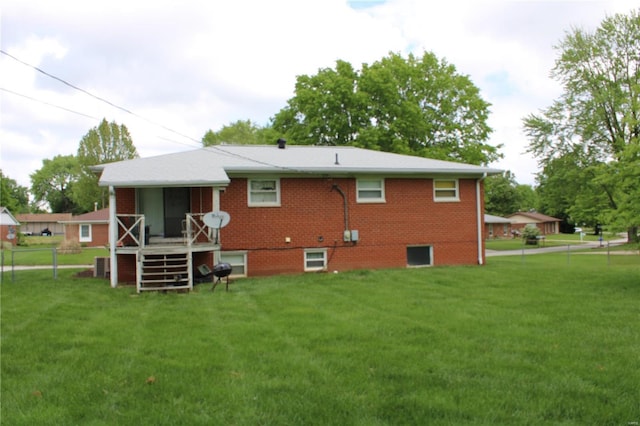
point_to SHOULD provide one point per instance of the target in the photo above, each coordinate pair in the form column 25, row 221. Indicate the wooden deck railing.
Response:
column 195, row 229
column 132, row 231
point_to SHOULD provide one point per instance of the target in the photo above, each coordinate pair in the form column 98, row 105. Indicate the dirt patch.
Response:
column 87, row 273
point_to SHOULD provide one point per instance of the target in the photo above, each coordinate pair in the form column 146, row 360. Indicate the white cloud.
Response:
column 192, row 66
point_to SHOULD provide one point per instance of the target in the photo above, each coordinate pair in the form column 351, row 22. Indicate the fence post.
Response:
column 55, row 263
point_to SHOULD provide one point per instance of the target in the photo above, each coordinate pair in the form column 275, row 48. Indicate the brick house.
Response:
column 497, row 226
column 291, row 209
column 35, row 223
column 546, row 224
column 89, row 229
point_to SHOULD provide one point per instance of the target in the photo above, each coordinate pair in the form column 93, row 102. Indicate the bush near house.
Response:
column 530, row 234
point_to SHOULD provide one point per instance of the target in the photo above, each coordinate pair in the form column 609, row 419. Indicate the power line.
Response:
column 214, row 147
column 48, row 103
column 66, row 83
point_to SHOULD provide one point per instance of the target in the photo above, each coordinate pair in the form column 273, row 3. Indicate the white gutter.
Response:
column 113, row 238
column 479, row 213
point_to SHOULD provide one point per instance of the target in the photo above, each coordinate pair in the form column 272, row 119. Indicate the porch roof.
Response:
column 189, row 168
column 212, row 165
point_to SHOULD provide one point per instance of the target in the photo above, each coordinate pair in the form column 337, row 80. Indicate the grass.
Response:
column 507, row 343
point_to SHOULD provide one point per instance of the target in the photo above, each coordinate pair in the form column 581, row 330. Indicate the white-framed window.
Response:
column 315, row 259
column 85, row 233
column 237, row 260
column 370, row 190
column 263, row 192
column 446, row 190
column 419, row 256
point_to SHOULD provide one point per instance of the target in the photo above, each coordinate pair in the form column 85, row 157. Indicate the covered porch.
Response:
column 165, row 263
column 158, row 237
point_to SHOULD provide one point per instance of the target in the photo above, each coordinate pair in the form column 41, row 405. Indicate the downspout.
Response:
column 479, row 214
column 113, row 238
column 215, row 201
column 346, row 209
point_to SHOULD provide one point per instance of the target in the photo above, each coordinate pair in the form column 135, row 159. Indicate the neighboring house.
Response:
column 292, row 209
column 9, row 226
column 35, row 223
column 546, row 224
column 496, row 226
column 89, row 229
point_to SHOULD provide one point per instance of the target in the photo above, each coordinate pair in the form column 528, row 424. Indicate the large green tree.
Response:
column 105, row 143
column 53, row 183
column 240, row 132
column 504, row 196
column 596, row 120
column 415, row 105
column 13, row 196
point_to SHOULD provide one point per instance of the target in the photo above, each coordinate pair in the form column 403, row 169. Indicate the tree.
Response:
column 504, row 196
column 527, row 197
column 418, row 106
column 106, row 143
column 597, row 118
column 500, row 194
column 53, row 183
column 238, row 132
column 13, row 196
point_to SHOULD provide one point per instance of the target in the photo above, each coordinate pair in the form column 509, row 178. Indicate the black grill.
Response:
column 222, row 270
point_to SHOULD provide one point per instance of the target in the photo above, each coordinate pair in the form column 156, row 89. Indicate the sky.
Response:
column 172, row 70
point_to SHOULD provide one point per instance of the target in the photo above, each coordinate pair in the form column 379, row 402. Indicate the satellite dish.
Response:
column 217, row 219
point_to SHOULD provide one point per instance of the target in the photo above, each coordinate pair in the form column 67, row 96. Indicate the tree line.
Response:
column 586, row 142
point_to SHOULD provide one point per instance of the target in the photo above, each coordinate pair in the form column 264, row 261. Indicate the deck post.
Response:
column 113, row 238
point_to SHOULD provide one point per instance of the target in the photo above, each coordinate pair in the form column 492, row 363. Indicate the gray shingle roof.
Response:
column 488, row 218
column 213, row 165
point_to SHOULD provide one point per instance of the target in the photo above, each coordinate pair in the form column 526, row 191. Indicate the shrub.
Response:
column 69, row 247
column 530, row 233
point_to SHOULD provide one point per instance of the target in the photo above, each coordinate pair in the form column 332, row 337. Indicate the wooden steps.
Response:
column 164, row 271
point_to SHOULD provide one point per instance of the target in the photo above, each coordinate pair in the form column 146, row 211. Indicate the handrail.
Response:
column 195, row 227
column 136, row 231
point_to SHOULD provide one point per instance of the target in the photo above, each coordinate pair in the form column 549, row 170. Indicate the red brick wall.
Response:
column 125, row 200
column 312, row 215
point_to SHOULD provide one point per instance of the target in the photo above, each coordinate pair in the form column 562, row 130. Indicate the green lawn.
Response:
column 540, row 342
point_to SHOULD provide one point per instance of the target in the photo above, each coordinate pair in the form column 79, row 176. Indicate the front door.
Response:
column 176, row 206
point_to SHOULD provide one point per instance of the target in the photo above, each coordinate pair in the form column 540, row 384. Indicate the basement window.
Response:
column 237, row 260
column 419, row 256
column 315, row 259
